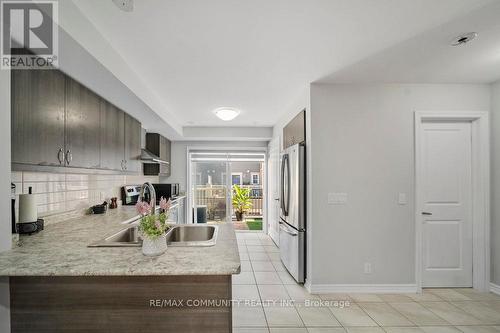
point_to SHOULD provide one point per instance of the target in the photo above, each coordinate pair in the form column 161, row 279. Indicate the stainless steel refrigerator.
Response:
column 292, row 212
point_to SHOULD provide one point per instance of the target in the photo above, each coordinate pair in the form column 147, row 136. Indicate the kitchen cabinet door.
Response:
column 295, row 131
column 112, row 137
column 165, row 155
column 160, row 146
column 37, row 125
column 132, row 144
column 83, row 112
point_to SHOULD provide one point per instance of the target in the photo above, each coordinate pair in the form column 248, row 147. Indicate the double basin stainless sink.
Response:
column 177, row 235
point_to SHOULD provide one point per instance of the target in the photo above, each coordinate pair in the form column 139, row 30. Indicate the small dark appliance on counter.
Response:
column 167, row 191
column 30, row 227
column 130, row 194
column 99, row 209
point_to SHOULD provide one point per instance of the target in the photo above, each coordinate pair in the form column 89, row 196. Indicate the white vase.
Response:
column 154, row 247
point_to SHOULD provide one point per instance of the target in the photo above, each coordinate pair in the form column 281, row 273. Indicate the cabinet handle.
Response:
column 69, row 156
column 125, row 164
column 60, row 156
column 123, row 168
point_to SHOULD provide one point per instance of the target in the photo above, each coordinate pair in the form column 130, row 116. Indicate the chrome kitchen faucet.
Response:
column 152, row 195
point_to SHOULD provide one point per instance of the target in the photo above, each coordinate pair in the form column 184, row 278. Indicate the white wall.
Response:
column 5, row 222
column 363, row 145
column 495, row 183
column 5, row 203
column 78, row 26
column 79, row 64
column 227, row 133
column 179, row 157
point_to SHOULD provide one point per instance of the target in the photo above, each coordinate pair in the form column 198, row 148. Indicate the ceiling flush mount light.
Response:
column 226, row 114
column 463, row 39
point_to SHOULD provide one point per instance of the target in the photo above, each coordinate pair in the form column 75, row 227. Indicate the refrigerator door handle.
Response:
column 287, row 230
column 285, row 184
column 282, row 185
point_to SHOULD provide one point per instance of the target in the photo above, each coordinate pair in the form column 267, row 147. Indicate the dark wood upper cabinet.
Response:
column 37, row 124
column 112, row 137
column 132, row 144
column 57, row 121
column 295, row 131
column 83, row 112
column 166, row 156
column 161, row 147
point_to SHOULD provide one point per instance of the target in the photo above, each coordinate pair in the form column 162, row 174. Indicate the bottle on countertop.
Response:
column 114, row 203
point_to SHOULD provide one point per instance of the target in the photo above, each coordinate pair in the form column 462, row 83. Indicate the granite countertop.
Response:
column 61, row 250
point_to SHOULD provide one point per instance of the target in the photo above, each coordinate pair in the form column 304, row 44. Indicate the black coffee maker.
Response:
column 13, row 197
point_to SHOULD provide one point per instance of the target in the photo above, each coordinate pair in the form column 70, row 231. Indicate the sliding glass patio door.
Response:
column 213, row 177
column 210, row 191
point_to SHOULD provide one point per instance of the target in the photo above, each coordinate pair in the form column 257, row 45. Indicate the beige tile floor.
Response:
column 272, row 302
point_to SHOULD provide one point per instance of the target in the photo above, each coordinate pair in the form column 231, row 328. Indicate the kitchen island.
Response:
column 58, row 284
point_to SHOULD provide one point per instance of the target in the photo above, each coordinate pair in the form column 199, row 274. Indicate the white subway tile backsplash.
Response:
column 77, row 195
column 50, row 209
column 76, row 185
column 71, row 177
column 43, row 177
column 134, row 180
column 77, row 204
column 48, row 198
column 19, row 187
column 41, row 199
column 60, row 194
column 44, row 187
column 16, row 177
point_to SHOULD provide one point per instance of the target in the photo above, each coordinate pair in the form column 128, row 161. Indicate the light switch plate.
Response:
column 402, row 199
column 337, row 198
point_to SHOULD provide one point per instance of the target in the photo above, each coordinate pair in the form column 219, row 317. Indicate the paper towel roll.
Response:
column 27, row 208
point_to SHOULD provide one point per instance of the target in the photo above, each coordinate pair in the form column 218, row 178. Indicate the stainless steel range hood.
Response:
column 148, row 157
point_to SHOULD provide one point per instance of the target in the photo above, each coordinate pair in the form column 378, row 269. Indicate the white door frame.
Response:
column 271, row 177
column 480, row 192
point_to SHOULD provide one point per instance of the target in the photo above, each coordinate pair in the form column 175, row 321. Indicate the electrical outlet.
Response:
column 368, row 268
column 402, row 200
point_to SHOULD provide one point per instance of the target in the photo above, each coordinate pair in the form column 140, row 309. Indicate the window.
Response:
column 237, row 178
column 255, row 178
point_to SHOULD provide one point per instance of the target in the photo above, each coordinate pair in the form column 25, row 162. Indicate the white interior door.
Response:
column 273, row 189
column 446, row 203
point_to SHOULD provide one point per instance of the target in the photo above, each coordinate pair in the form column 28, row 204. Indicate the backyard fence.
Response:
column 214, row 197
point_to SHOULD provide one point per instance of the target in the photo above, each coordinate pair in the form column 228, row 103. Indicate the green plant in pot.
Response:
column 152, row 227
column 241, row 201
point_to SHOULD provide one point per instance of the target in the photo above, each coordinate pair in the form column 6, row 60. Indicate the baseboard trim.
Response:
column 494, row 288
column 362, row 288
column 308, row 286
